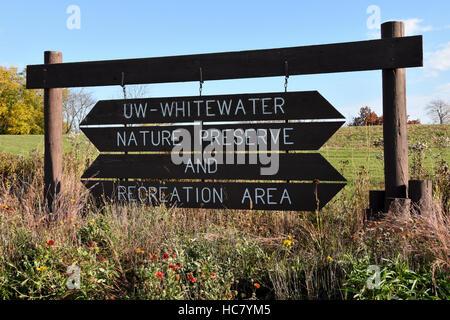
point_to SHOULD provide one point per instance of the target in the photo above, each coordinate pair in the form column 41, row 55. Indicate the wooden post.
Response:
column 421, row 195
column 376, row 204
column 394, row 123
column 52, row 138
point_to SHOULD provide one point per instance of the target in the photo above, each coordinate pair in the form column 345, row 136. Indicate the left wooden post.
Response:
column 52, row 138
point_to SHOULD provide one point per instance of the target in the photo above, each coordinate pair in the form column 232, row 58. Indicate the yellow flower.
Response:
column 91, row 222
column 287, row 243
column 73, row 200
column 289, row 237
column 330, row 258
column 41, row 268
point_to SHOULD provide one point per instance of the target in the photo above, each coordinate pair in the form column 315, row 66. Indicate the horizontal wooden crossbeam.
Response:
column 386, row 53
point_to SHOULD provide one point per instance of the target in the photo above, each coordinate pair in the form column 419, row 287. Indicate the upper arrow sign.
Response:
column 241, row 107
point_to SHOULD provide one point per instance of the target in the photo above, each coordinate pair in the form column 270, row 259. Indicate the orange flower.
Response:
column 50, row 243
column 355, row 236
column 257, row 285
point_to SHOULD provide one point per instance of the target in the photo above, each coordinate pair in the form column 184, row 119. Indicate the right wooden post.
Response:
column 394, row 123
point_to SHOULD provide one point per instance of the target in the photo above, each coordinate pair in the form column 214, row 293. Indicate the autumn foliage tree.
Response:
column 366, row 117
column 21, row 110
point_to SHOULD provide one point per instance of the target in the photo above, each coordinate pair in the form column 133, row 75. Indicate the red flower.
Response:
column 166, row 256
column 159, row 274
column 171, row 266
column 50, row 243
column 191, row 278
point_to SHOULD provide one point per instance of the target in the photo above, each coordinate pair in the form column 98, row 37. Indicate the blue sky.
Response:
column 135, row 29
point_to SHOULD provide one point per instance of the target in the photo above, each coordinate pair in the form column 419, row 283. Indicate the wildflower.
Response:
column 138, row 250
column 177, row 277
column 229, row 296
column 166, row 256
column 50, row 243
column 355, row 236
column 92, row 222
column 191, row 278
column 289, row 237
column 41, row 268
column 159, row 274
column 73, row 200
column 92, row 244
column 257, row 285
column 287, row 243
column 330, row 258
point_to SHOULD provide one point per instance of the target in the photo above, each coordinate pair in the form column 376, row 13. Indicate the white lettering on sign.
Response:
column 265, row 196
column 206, row 166
column 162, row 194
column 131, row 110
column 219, row 107
column 155, row 138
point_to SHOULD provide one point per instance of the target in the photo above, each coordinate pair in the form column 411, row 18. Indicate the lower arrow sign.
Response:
column 257, row 196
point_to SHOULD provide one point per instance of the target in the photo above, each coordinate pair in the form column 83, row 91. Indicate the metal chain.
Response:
column 123, row 86
column 286, row 77
column 201, row 82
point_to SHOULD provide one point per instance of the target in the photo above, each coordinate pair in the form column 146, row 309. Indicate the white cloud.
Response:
column 440, row 59
column 412, row 26
column 437, row 61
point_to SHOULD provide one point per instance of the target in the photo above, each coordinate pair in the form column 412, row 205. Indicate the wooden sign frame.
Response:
column 391, row 54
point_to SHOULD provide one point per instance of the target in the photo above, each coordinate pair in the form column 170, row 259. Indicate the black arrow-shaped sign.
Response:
column 288, row 136
column 241, row 107
column 291, row 166
column 258, row 196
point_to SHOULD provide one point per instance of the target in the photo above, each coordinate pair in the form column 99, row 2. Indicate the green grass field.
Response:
column 349, row 150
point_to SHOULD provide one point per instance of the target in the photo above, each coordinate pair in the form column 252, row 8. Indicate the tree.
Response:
column 76, row 104
column 21, row 110
column 439, row 110
column 366, row 117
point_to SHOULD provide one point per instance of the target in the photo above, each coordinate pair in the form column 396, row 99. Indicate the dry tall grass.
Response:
column 291, row 254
